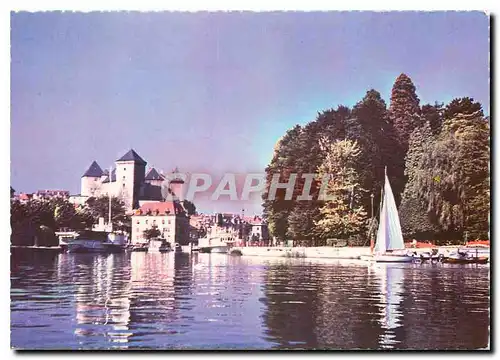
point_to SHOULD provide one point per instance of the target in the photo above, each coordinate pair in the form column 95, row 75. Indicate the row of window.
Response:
column 164, row 229
column 154, row 222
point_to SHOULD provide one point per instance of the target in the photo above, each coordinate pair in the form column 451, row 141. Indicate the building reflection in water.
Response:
column 102, row 299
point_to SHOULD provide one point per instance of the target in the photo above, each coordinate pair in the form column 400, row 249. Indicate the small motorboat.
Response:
column 460, row 257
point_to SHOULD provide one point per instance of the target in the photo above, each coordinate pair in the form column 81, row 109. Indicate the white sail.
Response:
column 389, row 235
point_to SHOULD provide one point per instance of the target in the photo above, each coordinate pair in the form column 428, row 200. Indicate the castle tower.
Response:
column 154, row 178
column 130, row 173
column 176, row 185
column 91, row 180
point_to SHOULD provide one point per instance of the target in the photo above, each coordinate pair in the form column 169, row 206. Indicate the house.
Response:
column 168, row 217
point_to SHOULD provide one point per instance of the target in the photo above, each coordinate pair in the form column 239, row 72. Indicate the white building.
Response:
column 168, row 217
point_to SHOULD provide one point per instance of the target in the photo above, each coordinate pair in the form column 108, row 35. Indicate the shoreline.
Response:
column 326, row 252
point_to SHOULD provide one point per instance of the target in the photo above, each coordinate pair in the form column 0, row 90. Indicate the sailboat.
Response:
column 389, row 246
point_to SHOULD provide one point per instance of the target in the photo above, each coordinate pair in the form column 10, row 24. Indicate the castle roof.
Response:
column 93, row 171
column 153, row 175
column 113, row 177
column 132, row 156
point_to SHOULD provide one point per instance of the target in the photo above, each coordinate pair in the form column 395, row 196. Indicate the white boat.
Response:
column 218, row 241
column 389, row 246
column 101, row 239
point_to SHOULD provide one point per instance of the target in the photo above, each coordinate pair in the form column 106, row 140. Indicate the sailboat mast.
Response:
column 109, row 197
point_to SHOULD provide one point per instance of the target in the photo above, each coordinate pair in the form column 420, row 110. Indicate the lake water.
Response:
column 216, row 301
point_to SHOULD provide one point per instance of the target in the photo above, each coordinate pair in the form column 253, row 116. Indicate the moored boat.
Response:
column 89, row 241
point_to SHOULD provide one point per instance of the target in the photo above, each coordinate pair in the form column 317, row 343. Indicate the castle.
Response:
column 128, row 181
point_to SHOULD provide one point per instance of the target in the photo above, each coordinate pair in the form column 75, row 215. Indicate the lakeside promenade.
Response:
column 326, row 252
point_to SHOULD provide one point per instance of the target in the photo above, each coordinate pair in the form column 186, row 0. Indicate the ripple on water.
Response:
column 140, row 300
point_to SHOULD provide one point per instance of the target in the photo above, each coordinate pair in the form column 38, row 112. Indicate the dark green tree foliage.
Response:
column 189, row 207
column 404, row 111
column 369, row 127
column 413, row 212
column 99, row 207
column 152, row 233
column 465, row 105
column 434, row 116
column 454, row 175
column 438, row 156
column 298, row 152
column 302, row 222
column 276, row 211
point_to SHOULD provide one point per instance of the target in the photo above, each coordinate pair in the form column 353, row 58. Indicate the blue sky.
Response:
column 214, row 91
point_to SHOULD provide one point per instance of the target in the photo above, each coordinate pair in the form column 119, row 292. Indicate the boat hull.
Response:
column 388, row 258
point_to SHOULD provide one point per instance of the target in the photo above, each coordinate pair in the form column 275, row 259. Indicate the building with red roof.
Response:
column 169, row 217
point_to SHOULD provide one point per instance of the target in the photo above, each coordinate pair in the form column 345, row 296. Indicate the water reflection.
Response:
column 207, row 301
column 391, row 277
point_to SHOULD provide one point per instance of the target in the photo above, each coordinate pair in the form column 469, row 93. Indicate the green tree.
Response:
column 413, row 212
column 152, row 233
column 276, row 211
column 343, row 216
column 404, row 110
column 434, row 116
column 464, row 105
column 189, row 207
column 98, row 207
column 453, row 176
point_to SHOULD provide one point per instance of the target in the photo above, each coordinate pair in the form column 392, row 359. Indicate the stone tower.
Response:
column 176, row 185
column 130, row 172
column 91, row 180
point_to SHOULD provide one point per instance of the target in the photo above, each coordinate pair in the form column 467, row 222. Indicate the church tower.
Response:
column 130, row 173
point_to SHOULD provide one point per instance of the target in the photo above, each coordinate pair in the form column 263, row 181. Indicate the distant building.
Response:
column 128, row 181
column 49, row 194
column 168, row 217
column 258, row 228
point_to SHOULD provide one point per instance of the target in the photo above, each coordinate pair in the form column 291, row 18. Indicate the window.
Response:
column 137, row 229
column 169, row 222
column 146, row 222
column 138, row 222
column 163, row 221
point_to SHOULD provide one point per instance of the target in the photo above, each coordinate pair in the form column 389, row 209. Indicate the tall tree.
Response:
column 434, row 116
column 454, row 175
column 413, row 212
column 276, row 211
column 404, row 110
column 343, row 216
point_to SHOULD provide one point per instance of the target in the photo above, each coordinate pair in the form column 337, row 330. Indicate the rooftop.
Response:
column 153, row 175
column 132, row 156
column 93, row 171
column 163, row 208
